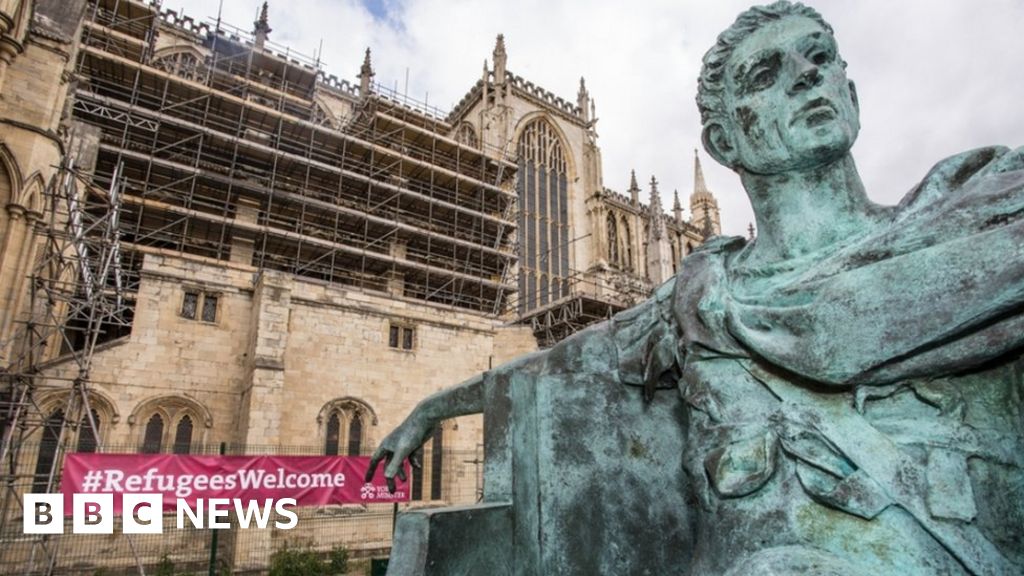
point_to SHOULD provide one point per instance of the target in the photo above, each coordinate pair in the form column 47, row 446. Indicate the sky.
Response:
column 934, row 77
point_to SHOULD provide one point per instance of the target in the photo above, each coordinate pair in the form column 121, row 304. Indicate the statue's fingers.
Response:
column 401, row 472
column 374, row 460
column 389, row 471
column 414, row 459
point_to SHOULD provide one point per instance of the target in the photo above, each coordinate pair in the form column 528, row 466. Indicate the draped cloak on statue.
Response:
column 866, row 397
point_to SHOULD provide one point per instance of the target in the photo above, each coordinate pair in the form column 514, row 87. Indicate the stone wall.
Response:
column 278, row 351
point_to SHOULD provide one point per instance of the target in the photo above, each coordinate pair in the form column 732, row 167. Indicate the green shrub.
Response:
column 338, row 560
column 304, row 561
column 164, row 568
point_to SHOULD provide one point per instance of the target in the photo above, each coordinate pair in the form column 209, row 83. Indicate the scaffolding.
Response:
column 230, row 154
column 78, row 298
column 225, row 150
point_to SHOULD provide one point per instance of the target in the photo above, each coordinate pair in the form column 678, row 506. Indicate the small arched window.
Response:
column 355, row 435
column 436, row 463
column 183, row 436
column 333, row 434
column 153, row 437
column 466, row 134
column 46, row 458
column 431, row 456
column 88, row 438
column 627, row 246
column 613, row 241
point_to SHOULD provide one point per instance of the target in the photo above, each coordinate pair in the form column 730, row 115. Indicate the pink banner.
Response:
column 310, row 480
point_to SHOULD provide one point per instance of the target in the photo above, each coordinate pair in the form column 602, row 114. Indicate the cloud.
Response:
column 934, row 78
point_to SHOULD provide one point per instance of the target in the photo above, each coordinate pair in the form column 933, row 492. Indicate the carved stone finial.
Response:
column 500, row 59
column 365, row 74
column 750, row 231
column 677, row 207
column 634, row 188
column 261, row 28
column 657, row 223
column 583, row 101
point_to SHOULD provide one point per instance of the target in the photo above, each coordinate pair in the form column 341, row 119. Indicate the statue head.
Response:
column 773, row 93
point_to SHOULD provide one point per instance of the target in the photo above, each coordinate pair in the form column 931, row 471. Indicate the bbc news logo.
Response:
column 143, row 513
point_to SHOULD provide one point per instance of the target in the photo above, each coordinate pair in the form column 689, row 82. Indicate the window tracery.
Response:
column 344, row 427
column 168, row 424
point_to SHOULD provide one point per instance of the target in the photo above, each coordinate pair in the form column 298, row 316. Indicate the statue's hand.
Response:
column 400, row 444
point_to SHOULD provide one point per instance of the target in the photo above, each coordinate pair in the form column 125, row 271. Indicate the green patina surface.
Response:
column 849, row 383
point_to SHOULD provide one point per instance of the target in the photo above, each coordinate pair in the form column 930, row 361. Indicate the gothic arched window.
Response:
column 343, row 424
column 431, row 457
column 183, row 63
column 436, row 463
column 332, row 435
column 154, row 435
column 88, row 439
column 542, row 186
column 466, row 134
column 183, row 436
column 627, row 247
column 613, row 241
column 170, row 424
column 47, row 455
column 355, row 435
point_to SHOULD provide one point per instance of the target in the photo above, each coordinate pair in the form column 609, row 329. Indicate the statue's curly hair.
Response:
column 711, row 85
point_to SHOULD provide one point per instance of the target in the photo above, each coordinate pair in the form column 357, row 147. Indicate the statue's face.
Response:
column 788, row 100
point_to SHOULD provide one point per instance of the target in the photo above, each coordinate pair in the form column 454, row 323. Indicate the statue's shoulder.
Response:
column 720, row 246
column 709, row 259
column 964, row 172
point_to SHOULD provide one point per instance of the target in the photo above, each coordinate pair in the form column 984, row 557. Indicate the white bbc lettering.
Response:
column 142, row 513
column 293, row 518
column 44, row 514
column 92, row 513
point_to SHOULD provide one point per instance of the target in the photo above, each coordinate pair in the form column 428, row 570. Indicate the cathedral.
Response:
column 209, row 241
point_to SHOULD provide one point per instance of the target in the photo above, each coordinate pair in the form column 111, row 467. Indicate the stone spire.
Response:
column 703, row 206
column 487, row 82
column 500, row 59
column 583, row 101
column 656, row 227
column 659, row 251
column 634, row 189
column 677, row 208
column 700, row 188
column 750, row 231
column 365, row 75
column 261, row 28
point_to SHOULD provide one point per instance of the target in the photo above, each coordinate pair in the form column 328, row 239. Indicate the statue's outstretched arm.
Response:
column 402, row 442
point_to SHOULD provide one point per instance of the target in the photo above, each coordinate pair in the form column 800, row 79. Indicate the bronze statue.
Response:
column 852, row 377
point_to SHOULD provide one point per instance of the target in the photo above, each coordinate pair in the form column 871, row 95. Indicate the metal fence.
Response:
column 362, row 530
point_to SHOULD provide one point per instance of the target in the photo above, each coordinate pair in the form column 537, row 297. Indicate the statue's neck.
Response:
column 801, row 212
